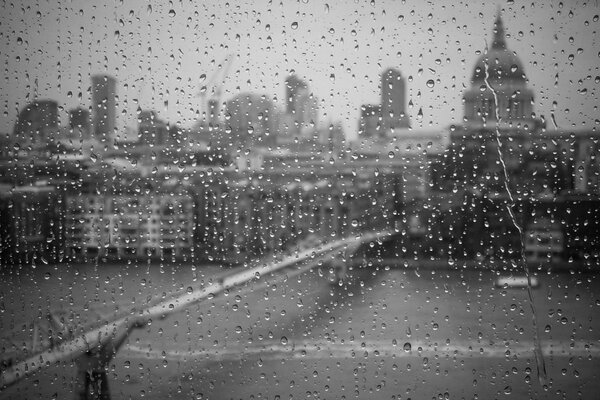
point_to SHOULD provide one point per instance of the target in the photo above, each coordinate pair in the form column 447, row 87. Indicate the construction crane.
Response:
column 215, row 85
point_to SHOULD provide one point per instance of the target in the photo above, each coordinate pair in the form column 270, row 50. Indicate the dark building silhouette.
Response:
column 294, row 88
column 301, row 108
column 80, row 121
column 369, row 124
column 214, row 109
column 79, row 118
column 249, row 117
column 37, row 122
column 393, row 100
column 104, row 106
column 152, row 130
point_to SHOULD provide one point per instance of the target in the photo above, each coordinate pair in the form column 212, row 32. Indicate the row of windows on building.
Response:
column 221, row 221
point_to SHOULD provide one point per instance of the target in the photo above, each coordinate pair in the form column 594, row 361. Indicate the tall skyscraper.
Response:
column 214, row 111
column 369, row 124
column 80, row 124
column 151, row 130
column 37, row 122
column 294, row 88
column 302, row 106
column 307, row 112
column 104, row 106
column 393, row 100
column 79, row 118
column 249, row 117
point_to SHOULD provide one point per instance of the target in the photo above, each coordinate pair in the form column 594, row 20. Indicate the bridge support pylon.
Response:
column 93, row 365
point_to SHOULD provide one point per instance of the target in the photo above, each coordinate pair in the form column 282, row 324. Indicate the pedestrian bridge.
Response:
column 93, row 350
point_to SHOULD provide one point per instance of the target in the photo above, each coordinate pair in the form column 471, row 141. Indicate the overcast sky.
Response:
column 159, row 50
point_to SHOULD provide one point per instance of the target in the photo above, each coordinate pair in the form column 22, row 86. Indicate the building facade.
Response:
column 37, row 124
column 125, row 222
column 393, row 101
column 104, row 107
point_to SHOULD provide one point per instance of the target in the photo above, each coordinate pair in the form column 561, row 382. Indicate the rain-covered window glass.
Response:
column 299, row 199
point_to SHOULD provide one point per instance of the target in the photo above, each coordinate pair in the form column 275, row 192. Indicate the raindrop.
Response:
column 407, row 347
column 294, row 25
column 430, row 83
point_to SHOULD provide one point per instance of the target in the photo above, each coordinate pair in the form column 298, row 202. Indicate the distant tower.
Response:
column 249, row 116
column 104, row 106
column 151, row 130
column 294, row 88
column 393, row 100
column 79, row 120
column 302, row 106
column 37, row 122
column 369, row 124
column 213, row 112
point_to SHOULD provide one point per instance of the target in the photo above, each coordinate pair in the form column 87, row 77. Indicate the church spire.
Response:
column 498, row 41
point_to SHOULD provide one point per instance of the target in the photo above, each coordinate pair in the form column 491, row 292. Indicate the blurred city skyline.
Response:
column 159, row 52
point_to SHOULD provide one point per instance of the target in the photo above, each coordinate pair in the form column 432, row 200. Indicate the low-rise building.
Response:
column 127, row 222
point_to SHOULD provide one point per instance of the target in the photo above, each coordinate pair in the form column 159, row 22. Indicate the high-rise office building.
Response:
column 369, row 124
column 294, row 89
column 307, row 112
column 79, row 118
column 302, row 106
column 249, row 117
column 151, row 130
column 393, row 101
column 79, row 121
column 37, row 122
column 214, row 112
column 104, row 106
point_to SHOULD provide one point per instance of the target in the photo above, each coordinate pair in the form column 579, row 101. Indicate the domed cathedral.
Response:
column 498, row 107
column 499, row 92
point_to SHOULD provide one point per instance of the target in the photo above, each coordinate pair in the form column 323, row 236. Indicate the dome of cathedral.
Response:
column 510, row 99
column 498, row 64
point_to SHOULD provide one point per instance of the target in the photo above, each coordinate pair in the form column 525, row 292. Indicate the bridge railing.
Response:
column 93, row 350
